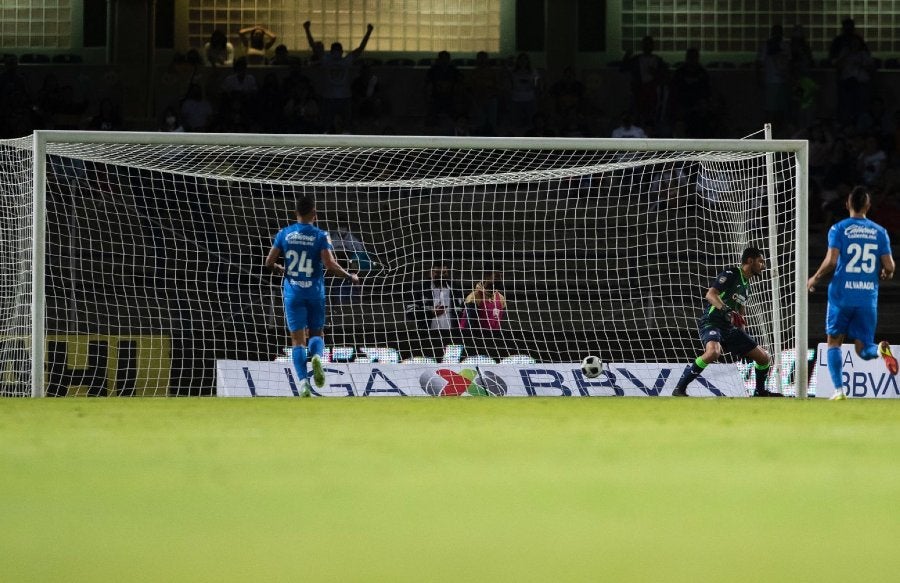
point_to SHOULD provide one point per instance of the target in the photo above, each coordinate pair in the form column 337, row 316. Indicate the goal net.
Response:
column 491, row 250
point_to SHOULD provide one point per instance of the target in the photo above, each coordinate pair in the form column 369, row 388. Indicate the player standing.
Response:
column 855, row 247
column 307, row 252
column 722, row 324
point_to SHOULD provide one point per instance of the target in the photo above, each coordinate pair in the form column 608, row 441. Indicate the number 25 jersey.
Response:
column 860, row 243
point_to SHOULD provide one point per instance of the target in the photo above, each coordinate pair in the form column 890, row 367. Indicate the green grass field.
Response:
column 449, row 490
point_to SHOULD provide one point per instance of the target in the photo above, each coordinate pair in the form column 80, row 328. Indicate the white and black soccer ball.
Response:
column 591, row 367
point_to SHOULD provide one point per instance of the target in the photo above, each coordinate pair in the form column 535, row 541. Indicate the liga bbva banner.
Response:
column 861, row 378
column 236, row 378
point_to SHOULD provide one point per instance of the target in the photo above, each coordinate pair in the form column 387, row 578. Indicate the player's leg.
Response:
column 837, row 323
column 712, row 352
column 862, row 329
column 890, row 361
column 316, row 312
column 762, row 364
column 296, row 315
column 737, row 341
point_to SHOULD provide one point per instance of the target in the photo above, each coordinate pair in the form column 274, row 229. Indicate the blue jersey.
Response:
column 861, row 243
column 301, row 245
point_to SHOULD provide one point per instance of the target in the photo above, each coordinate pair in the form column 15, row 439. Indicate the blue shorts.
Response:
column 302, row 313
column 733, row 340
column 855, row 322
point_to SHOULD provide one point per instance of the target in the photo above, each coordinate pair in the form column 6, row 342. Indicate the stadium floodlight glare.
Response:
column 132, row 261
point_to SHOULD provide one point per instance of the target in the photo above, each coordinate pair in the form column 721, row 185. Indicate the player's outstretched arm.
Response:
column 828, row 265
column 334, row 268
column 273, row 256
column 362, row 45
column 309, row 36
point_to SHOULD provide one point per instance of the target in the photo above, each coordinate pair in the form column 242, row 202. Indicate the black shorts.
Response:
column 733, row 340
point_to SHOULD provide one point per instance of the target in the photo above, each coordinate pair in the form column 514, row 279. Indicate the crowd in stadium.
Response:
column 264, row 87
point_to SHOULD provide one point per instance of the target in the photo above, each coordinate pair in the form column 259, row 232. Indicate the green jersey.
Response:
column 734, row 289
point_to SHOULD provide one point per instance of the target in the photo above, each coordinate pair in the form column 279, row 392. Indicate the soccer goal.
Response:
column 132, row 262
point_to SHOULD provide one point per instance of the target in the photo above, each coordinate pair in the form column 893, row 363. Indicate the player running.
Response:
column 722, row 324
column 307, row 251
column 855, row 247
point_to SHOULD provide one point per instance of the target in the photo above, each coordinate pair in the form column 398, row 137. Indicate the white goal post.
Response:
column 133, row 261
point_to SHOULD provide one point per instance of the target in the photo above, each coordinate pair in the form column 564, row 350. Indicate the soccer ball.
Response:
column 591, row 367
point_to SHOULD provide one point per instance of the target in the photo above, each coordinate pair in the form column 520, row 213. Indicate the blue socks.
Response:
column 869, row 352
column 835, row 366
column 316, row 346
column 298, row 355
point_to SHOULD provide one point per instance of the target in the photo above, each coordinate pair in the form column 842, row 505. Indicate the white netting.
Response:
column 155, row 252
column 15, row 266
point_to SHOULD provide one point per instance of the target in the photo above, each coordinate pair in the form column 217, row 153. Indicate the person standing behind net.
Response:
column 856, row 246
column 307, row 253
column 722, row 324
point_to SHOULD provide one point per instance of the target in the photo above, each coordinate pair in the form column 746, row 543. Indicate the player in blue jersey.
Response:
column 307, row 253
column 722, row 324
column 856, row 249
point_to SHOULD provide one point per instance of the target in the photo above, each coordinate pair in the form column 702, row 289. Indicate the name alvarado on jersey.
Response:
column 860, row 232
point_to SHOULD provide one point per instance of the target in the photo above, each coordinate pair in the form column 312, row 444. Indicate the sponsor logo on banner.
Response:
column 94, row 365
column 278, row 379
column 868, row 379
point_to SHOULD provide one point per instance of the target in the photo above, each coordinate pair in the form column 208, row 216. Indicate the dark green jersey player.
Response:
column 722, row 324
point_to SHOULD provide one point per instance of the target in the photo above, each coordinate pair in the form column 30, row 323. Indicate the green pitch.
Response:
column 455, row 490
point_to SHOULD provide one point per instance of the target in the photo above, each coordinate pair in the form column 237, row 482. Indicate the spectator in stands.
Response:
column 690, row 95
column 855, row 66
column 336, row 92
column 841, row 42
column 525, row 91
column 804, row 89
column 540, row 127
column 218, row 51
column 107, row 118
column 773, row 69
column 628, row 128
column 484, row 92
column 282, row 58
column 301, row 110
column 870, row 162
column 170, row 121
column 257, row 41
column 196, row 110
column 240, row 81
column 368, row 103
column 568, row 95
column 648, row 72
column 442, row 84
column 802, row 59
column 316, row 47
